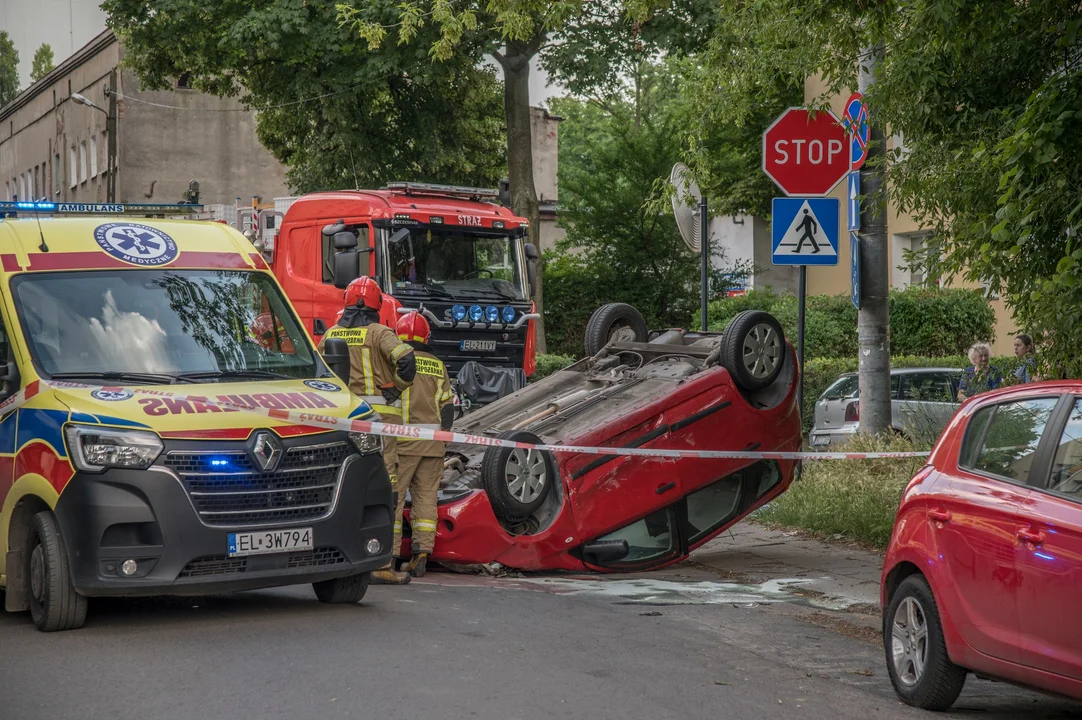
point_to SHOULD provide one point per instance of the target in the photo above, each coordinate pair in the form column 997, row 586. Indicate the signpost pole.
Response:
column 704, row 251
column 802, row 293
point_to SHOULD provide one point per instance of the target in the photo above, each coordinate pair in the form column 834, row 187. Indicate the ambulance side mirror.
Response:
column 336, row 353
column 532, row 256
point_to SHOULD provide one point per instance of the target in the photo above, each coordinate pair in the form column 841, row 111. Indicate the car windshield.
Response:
column 163, row 323
column 844, row 387
column 461, row 264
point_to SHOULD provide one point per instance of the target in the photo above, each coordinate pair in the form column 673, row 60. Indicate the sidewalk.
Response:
column 749, row 553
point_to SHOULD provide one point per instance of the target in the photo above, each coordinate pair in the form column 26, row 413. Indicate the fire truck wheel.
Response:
column 753, row 349
column 615, row 321
column 54, row 604
column 517, row 480
column 342, row 591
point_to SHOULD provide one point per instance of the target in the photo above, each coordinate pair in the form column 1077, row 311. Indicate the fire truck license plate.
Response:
column 269, row 541
column 479, row 345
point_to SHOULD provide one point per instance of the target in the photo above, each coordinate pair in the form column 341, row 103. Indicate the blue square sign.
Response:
column 804, row 231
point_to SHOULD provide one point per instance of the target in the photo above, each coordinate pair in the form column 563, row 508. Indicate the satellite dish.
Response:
column 685, row 206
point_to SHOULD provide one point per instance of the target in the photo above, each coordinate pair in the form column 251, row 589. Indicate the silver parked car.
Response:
column 922, row 401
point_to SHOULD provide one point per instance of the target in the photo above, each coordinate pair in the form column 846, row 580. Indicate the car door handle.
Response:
column 319, row 327
column 665, row 487
column 1031, row 537
column 943, row 516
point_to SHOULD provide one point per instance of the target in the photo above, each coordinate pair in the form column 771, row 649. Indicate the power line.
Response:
column 235, row 110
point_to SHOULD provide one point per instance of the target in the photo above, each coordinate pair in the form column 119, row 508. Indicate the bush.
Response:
column 929, row 322
column 853, row 498
column 548, row 364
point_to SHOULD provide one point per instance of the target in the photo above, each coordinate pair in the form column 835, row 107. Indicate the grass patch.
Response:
column 856, row 499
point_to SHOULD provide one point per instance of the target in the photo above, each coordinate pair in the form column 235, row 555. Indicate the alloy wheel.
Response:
column 909, row 641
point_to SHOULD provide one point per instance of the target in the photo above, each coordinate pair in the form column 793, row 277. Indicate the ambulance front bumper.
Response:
column 179, row 547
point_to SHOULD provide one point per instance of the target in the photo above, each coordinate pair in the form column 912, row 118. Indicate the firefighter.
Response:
column 427, row 403
column 381, row 368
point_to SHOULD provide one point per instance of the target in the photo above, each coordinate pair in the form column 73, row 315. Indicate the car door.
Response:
column 1049, row 554
column 976, row 518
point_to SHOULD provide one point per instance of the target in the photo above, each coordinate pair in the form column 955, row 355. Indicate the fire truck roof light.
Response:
column 138, row 209
column 413, row 188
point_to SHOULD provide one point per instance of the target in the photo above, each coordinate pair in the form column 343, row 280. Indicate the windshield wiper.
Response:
column 217, row 374
column 485, row 292
column 148, row 378
column 427, row 289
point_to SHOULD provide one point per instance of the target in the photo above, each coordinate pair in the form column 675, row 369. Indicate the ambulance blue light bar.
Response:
column 53, row 208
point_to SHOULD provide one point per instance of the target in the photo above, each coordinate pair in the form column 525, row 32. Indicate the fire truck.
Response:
column 452, row 253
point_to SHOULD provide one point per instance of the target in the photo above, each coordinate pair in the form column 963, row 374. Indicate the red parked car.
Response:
column 536, row 510
column 984, row 570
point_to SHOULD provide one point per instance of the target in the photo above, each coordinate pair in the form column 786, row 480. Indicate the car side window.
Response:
column 328, row 253
column 716, row 504
column 1066, row 476
column 1002, row 440
column 5, row 356
column 895, row 385
column 927, row 387
column 649, row 540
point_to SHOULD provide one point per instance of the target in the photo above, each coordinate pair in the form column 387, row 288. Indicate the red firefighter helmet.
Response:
column 364, row 291
column 413, row 326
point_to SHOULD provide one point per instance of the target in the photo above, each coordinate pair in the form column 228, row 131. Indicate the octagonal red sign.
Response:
column 806, row 156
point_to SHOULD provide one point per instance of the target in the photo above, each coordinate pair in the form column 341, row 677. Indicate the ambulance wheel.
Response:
column 753, row 349
column 54, row 603
column 517, row 480
column 342, row 591
column 614, row 322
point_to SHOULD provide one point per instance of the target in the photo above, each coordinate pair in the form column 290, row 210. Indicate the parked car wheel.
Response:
column 615, row 321
column 517, row 480
column 753, row 349
column 917, row 661
column 342, row 591
column 54, row 603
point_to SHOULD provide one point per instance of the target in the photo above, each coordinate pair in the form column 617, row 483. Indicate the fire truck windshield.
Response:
column 456, row 263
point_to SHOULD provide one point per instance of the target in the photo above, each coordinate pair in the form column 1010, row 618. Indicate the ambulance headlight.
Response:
column 93, row 449
column 366, row 443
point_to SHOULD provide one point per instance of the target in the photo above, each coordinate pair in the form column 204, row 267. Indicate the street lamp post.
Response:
column 110, row 128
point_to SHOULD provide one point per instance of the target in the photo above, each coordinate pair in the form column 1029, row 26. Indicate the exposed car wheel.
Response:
column 615, row 321
column 342, row 591
column 917, row 661
column 517, row 480
column 753, row 349
column 54, row 604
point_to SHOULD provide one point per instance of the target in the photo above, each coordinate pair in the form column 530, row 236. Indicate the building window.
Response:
column 56, row 173
column 22, row 187
column 82, row 161
column 74, row 175
column 93, row 156
column 7, row 191
column 105, row 149
column 37, row 183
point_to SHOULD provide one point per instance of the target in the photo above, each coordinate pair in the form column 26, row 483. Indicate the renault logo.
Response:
column 266, row 451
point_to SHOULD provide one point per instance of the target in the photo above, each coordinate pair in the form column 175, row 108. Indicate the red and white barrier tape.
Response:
column 414, row 432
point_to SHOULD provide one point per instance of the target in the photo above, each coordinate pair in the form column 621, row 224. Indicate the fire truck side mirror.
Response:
column 336, row 353
column 347, row 267
column 532, row 257
column 345, row 240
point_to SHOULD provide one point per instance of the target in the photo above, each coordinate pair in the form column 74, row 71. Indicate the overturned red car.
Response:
column 538, row 510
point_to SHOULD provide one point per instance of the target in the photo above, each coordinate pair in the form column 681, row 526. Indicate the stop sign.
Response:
column 806, row 155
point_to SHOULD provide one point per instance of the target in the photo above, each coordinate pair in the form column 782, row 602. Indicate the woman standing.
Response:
column 980, row 376
column 1023, row 349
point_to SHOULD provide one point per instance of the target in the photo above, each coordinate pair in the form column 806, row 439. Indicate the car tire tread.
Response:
column 601, row 322
column 732, row 345
column 343, row 590
column 64, row 608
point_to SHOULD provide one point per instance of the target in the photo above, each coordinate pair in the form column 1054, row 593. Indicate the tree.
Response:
column 335, row 112
column 988, row 98
column 43, row 62
column 9, row 69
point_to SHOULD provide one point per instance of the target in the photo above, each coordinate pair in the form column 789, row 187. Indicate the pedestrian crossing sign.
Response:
column 804, row 231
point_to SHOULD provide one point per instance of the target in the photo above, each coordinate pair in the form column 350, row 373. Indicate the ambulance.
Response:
column 154, row 382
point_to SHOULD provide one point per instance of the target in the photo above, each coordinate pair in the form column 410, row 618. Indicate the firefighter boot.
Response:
column 417, row 565
column 387, row 575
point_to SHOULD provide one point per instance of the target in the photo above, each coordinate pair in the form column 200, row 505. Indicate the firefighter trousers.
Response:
column 421, row 476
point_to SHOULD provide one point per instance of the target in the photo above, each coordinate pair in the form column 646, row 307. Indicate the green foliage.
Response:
column 43, row 62
column 373, row 116
column 855, row 499
column 927, row 322
column 548, row 364
column 9, row 69
column 988, row 97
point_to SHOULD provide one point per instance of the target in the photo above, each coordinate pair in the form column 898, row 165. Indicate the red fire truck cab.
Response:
column 450, row 252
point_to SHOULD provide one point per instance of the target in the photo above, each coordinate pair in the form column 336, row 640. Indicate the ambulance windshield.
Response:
column 207, row 324
column 456, row 263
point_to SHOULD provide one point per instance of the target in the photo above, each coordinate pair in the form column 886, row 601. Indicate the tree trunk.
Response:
column 516, row 99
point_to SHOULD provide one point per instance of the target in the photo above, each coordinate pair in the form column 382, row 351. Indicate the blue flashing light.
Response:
column 458, row 313
column 219, row 462
column 508, row 314
column 476, row 313
column 492, row 314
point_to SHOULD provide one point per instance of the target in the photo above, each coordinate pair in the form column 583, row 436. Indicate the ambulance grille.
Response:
column 214, row 565
column 228, row 490
column 317, row 558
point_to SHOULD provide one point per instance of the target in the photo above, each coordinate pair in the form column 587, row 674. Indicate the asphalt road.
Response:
column 463, row 647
